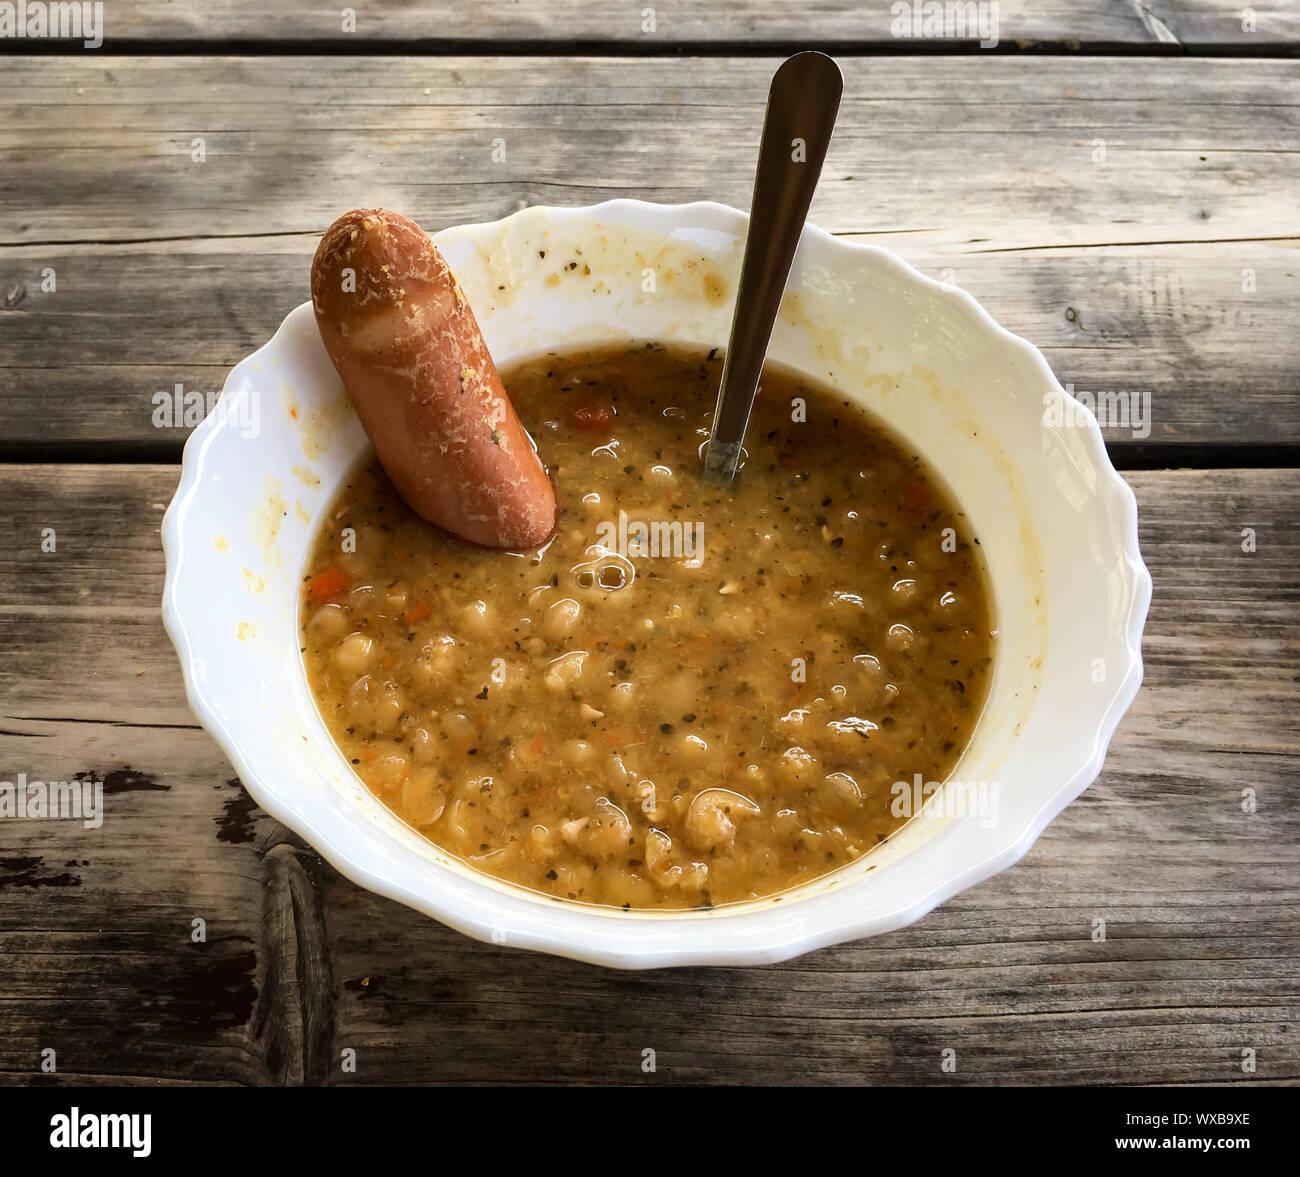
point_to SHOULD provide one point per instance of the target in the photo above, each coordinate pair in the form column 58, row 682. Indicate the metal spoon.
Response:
column 801, row 107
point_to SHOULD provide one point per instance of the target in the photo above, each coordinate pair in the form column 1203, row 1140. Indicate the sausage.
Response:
column 405, row 342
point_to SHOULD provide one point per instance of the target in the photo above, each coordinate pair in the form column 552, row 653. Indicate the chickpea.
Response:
column 667, row 874
column 847, row 733
column 840, row 792
column 329, row 621
column 476, row 619
column 564, row 671
column 624, row 888
column 362, row 599
column 422, row 800
column 431, row 666
column 424, row 748
column 787, row 822
column 904, row 591
column 900, row 637
column 385, row 774
column 572, row 878
column 354, row 653
column 608, row 832
column 455, row 822
column 615, row 773
column 570, row 830
column 692, row 749
column 578, row 752
column 869, row 665
column 709, row 821
column 560, row 619
column 797, row 767
column 457, row 723
column 374, row 704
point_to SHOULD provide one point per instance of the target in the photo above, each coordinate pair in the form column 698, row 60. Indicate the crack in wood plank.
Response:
column 1138, row 244
column 294, row 1017
column 1154, row 25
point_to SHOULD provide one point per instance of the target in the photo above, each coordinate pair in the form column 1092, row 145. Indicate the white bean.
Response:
column 564, row 671
column 476, row 618
column 560, row 619
column 709, row 821
column 328, row 621
column 355, row 652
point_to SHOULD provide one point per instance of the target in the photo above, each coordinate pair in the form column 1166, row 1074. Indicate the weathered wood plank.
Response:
column 1174, row 25
column 1167, row 269
column 1217, row 364
column 1201, row 958
column 977, row 154
column 96, row 925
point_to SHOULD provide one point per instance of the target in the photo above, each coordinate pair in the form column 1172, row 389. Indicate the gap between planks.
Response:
column 437, row 47
column 1123, row 455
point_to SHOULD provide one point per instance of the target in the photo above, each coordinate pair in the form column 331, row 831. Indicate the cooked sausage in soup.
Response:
column 691, row 695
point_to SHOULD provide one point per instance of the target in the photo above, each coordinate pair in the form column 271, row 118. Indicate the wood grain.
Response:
column 1201, row 957
column 1167, row 270
column 1172, row 25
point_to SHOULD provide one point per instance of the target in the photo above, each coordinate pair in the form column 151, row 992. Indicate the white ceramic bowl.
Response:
column 1057, row 524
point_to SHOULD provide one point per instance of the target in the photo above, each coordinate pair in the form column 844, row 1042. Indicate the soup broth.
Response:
column 692, row 695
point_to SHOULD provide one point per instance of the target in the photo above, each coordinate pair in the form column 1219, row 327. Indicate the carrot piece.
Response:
column 536, row 744
column 417, row 612
column 327, row 585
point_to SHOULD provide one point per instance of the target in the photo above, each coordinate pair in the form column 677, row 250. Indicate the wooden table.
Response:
column 1115, row 181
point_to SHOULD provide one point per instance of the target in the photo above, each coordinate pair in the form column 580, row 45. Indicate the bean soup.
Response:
column 691, row 695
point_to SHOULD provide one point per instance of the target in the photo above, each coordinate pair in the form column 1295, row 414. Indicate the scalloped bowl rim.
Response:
column 775, row 946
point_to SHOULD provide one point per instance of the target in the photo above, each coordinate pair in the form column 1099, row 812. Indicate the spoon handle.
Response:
column 801, row 107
